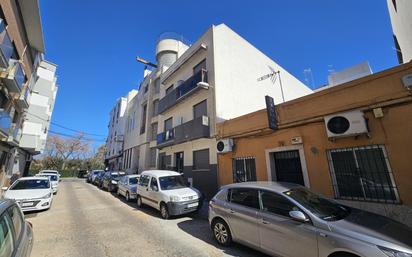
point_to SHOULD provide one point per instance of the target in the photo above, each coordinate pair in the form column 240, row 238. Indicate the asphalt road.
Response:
column 86, row 221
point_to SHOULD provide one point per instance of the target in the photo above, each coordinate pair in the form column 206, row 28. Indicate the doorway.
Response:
column 179, row 157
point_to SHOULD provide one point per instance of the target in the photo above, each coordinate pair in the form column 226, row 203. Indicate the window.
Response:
column 152, row 157
column 3, row 100
column 200, row 109
column 244, row 196
column 199, row 67
column 394, row 5
column 157, row 86
column 169, row 89
column 153, row 184
column 154, row 131
column 201, row 160
column 277, row 204
column 244, row 169
column 143, row 126
column 144, row 181
column 362, row 173
column 155, row 107
column 6, row 236
column 146, row 88
column 398, row 50
column 168, row 124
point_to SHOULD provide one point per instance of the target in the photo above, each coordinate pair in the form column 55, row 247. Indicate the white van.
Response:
column 167, row 191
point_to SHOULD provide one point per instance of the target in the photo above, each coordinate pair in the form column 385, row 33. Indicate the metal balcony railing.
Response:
column 180, row 92
column 14, row 77
column 6, row 46
column 5, row 122
column 166, row 136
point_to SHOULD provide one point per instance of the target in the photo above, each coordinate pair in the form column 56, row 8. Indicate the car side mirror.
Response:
column 298, row 216
column 4, row 188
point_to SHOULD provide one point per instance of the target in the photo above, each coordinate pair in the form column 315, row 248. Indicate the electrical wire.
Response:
column 74, row 137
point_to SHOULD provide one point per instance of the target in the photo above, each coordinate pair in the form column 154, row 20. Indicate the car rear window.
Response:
column 31, row 184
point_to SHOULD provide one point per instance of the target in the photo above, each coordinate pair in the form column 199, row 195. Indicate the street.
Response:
column 86, row 221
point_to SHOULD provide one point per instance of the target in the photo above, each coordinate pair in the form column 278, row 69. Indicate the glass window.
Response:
column 277, row 204
column 143, row 126
column 362, row 173
column 168, row 124
column 171, row 182
column 6, row 236
column 153, row 184
column 144, row 181
column 154, row 131
column 16, row 217
column 169, row 90
column 133, row 181
column 245, row 196
column 244, row 169
column 200, row 66
column 152, row 157
column 30, row 184
column 155, row 108
column 200, row 109
column 201, row 159
column 157, row 86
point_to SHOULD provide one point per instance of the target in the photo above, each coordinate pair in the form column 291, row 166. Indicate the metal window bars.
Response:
column 244, row 169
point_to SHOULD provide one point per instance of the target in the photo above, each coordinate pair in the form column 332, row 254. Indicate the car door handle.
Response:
column 265, row 221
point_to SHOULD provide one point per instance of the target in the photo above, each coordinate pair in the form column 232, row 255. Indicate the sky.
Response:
column 95, row 42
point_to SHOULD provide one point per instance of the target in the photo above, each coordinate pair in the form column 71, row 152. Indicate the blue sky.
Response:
column 94, row 42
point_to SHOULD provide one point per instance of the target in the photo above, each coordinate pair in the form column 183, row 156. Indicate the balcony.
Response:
column 6, row 47
column 23, row 100
column 14, row 77
column 14, row 135
column 191, row 130
column 5, row 123
column 197, row 81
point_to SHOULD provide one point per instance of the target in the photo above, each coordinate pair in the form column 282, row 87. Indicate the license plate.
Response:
column 192, row 205
column 26, row 204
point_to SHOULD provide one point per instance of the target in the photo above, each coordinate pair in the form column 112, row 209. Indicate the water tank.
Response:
column 170, row 46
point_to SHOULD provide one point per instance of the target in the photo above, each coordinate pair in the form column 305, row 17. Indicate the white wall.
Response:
column 238, row 65
column 401, row 20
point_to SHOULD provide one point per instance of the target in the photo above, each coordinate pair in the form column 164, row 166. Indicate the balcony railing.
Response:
column 191, row 130
column 5, row 122
column 15, row 134
column 6, row 47
column 14, row 77
column 198, row 80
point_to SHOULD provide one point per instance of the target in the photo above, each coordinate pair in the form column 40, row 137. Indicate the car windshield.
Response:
column 171, row 182
column 51, row 177
column 31, row 184
column 133, row 181
column 321, row 207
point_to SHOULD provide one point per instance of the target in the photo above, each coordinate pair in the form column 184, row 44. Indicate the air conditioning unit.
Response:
column 224, row 145
column 346, row 124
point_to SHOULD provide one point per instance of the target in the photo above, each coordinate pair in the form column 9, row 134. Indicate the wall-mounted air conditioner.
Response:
column 346, row 124
column 224, row 145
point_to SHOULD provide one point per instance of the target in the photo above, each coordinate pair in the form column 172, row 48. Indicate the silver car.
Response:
column 289, row 220
column 16, row 234
column 127, row 186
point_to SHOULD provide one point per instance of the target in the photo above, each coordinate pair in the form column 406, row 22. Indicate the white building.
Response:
column 216, row 79
column 115, row 139
column 400, row 12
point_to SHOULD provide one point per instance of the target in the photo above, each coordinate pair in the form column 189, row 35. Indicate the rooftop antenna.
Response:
column 273, row 75
column 145, row 62
column 309, row 77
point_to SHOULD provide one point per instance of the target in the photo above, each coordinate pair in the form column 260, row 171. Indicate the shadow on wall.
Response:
column 200, row 229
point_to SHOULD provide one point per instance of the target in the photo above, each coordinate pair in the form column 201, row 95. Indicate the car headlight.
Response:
column 46, row 196
column 114, row 182
column 174, row 198
column 393, row 253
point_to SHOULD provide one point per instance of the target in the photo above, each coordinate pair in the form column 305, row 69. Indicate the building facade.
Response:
column 400, row 12
column 22, row 67
column 350, row 142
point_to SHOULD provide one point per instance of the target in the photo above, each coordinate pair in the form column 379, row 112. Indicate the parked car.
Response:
column 289, row 220
column 54, row 180
column 168, row 192
column 110, row 179
column 55, row 172
column 31, row 193
column 82, row 174
column 98, row 179
column 16, row 234
column 127, row 186
column 92, row 175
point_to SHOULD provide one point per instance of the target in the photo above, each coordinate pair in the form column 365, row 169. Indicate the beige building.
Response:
column 351, row 142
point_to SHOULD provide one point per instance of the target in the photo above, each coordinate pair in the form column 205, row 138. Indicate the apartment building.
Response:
column 140, row 151
column 350, row 141
column 400, row 12
column 214, row 80
column 115, row 139
column 21, row 71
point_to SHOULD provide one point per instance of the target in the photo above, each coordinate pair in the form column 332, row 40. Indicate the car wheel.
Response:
column 164, row 212
column 127, row 197
column 221, row 232
column 139, row 201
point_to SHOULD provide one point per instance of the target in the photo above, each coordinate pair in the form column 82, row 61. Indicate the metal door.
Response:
column 179, row 157
column 288, row 167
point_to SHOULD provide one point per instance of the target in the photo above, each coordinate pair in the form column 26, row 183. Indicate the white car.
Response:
column 31, row 193
column 55, row 172
column 127, row 186
column 167, row 191
column 54, row 180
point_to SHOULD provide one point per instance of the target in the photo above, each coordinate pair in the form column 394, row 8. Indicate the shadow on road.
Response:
column 200, row 229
